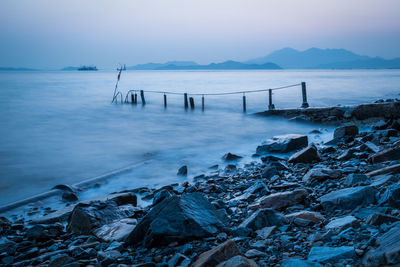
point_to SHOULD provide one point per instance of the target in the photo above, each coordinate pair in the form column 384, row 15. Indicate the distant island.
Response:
column 16, row 69
column 87, row 68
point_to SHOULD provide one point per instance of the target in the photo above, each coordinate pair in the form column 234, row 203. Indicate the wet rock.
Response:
column 160, row 196
column 307, row 155
column 69, row 196
column 263, row 218
column 344, row 131
column 265, row 232
column 355, row 178
column 178, row 218
column 117, row 230
column 331, row 254
column 61, row 215
column 389, row 169
column 60, row 260
column 281, row 200
column 230, row 157
column 340, row 224
column 300, row 263
column 221, row 253
column 87, row 217
column 391, row 196
column 254, row 253
column 389, row 154
column 313, row 216
column 5, row 225
column 7, row 246
column 321, row 174
column 41, row 232
column 380, row 218
column 283, row 144
column 238, row 261
column 348, row 198
column 179, row 260
column 387, row 250
column 183, row 171
column 269, row 171
column 124, row 199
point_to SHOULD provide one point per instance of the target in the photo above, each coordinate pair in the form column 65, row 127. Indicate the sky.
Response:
column 58, row 33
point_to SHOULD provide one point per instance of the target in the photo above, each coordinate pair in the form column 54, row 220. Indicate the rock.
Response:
column 117, row 230
column 230, row 157
column 387, row 251
column 265, row 232
column 344, row 131
column 391, row 196
column 300, row 263
column 257, row 187
column 389, row 169
column 355, row 178
column 340, row 224
column 320, row 175
column 255, row 253
column 69, row 196
column 313, row 216
column 7, row 246
column 124, row 199
column 348, row 198
column 281, row 200
column 183, row 171
column 269, row 171
column 61, row 215
column 238, row 261
column 160, row 196
column 221, row 253
column 283, row 144
column 178, row 218
column 42, row 232
column 60, row 260
column 331, row 254
column 87, row 217
column 389, row 154
column 380, row 218
column 306, row 155
column 263, row 218
column 178, row 260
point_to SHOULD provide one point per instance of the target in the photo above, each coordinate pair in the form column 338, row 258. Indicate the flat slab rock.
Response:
column 331, row 254
column 306, row 155
column 319, row 174
column 281, row 200
column 219, row 254
column 342, row 223
column 283, row 143
column 238, row 261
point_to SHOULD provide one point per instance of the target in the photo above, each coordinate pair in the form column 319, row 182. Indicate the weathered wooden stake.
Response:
column 270, row 106
column 133, row 98
column 304, row 93
column 191, row 100
column 186, row 100
column 142, row 96
column 165, row 100
column 244, row 103
column 202, row 102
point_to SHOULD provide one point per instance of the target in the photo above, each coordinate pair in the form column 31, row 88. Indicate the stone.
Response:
column 391, row 196
column 387, row 250
column 348, row 198
column 306, row 155
column 263, row 218
column 320, row 174
column 87, row 217
column 178, row 218
column 313, row 216
column 7, row 246
column 340, row 224
column 266, row 232
column 124, row 199
column 331, row 254
column 115, row 231
column 344, row 131
column 230, row 157
column 43, row 232
column 378, row 218
column 61, row 215
column 160, row 196
column 300, row 263
column 238, row 261
column 389, row 169
column 283, row 144
column 60, row 260
column 281, row 200
column 69, row 196
column 269, row 171
column 255, row 253
column 221, row 253
column 183, row 171
column 389, row 154
column 355, row 178
column 178, row 259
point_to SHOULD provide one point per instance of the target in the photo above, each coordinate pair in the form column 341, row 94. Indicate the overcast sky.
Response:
column 53, row 34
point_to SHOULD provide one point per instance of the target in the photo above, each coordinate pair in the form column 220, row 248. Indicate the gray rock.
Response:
column 265, row 232
column 255, row 253
column 160, row 196
column 307, row 155
column 313, row 216
column 230, row 157
column 178, row 259
column 380, row 218
column 221, row 253
column 389, row 154
column 321, row 174
column 355, row 178
column 69, row 196
column 42, row 232
column 123, row 199
column 391, row 196
column 389, row 169
column 238, row 261
column 348, row 198
column 331, row 254
column 269, row 171
column 116, row 231
column 281, row 200
column 263, row 218
column 342, row 223
column 60, row 260
column 7, row 246
column 300, row 263
column 189, row 216
column 283, row 144
column 343, row 131
column 183, row 171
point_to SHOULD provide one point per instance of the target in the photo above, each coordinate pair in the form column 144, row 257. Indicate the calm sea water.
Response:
column 60, row 127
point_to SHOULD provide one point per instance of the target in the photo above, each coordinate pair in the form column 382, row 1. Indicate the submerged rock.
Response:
column 230, row 157
column 183, row 218
column 283, row 143
column 221, row 253
column 306, row 155
column 183, row 171
column 348, row 198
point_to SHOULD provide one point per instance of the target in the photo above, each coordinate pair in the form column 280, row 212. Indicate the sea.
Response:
column 60, row 127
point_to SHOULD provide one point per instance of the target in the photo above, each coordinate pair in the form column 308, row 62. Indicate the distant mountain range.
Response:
column 16, row 69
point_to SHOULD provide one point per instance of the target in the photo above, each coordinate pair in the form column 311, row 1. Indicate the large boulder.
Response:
column 389, row 154
column 348, row 198
column 177, row 218
column 344, row 131
column 281, row 200
column 116, row 231
column 87, row 217
column 331, row 254
column 263, row 218
column 321, row 174
column 221, row 253
column 283, row 144
column 391, row 196
column 306, row 155
column 238, row 261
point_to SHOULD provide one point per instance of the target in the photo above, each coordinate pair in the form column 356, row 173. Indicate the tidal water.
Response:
column 60, row 127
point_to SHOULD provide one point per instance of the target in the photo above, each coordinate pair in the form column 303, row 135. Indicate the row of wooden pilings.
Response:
column 189, row 101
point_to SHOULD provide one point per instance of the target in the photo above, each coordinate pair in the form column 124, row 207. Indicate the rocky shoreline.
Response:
column 332, row 204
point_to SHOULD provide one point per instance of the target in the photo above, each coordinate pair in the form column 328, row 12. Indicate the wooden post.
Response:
column 133, row 98
column 244, row 103
column 142, row 96
column 186, row 100
column 165, row 100
column 304, row 93
column 270, row 106
column 202, row 102
column 191, row 100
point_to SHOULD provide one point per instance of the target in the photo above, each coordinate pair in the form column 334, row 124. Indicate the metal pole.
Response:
column 304, row 93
